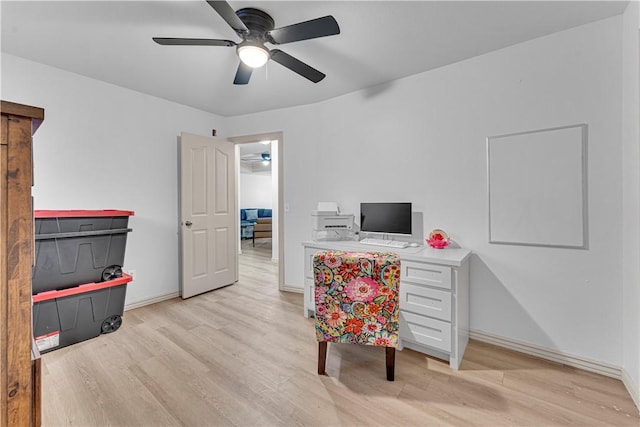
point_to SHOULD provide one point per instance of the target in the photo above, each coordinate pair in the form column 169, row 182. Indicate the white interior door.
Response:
column 208, row 219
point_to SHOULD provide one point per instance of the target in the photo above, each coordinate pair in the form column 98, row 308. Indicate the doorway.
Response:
column 259, row 159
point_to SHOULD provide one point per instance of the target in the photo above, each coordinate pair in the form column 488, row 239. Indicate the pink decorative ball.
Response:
column 438, row 239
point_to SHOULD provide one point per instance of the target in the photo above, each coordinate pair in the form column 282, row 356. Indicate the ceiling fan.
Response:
column 256, row 28
column 264, row 158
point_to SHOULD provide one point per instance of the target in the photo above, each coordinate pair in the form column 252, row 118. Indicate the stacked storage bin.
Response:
column 78, row 285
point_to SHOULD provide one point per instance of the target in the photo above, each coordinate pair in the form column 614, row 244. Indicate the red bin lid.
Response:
column 49, row 295
column 79, row 213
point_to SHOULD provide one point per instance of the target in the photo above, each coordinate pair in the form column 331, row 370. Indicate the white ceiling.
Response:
column 380, row 41
column 254, row 149
column 251, row 158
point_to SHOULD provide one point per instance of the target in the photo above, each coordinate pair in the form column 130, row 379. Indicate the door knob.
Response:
column 188, row 224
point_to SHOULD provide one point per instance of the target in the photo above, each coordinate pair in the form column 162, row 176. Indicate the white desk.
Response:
column 434, row 296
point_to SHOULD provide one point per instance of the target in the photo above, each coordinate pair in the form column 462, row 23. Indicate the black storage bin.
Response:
column 68, row 316
column 80, row 246
column 73, row 221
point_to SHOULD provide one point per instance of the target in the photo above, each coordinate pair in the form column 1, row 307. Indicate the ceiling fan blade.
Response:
column 227, row 13
column 243, row 74
column 319, row 27
column 296, row 65
column 171, row 41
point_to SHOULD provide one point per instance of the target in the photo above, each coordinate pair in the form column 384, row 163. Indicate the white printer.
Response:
column 330, row 224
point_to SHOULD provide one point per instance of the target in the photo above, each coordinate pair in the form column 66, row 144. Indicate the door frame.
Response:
column 279, row 136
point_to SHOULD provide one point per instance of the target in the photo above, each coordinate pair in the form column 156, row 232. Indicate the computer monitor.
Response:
column 385, row 218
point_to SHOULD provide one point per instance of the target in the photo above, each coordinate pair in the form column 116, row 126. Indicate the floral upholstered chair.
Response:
column 356, row 297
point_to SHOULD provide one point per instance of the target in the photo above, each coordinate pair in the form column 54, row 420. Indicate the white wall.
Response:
column 422, row 138
column 255, row 190
column 106, row 147
column 631, row 199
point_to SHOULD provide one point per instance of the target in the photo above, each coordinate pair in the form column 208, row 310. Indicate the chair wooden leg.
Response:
column 322, row 357
column 391, row 363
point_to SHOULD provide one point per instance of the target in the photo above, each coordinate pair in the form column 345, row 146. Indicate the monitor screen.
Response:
column 391, row 218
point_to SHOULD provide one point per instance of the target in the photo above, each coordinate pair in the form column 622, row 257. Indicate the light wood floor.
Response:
column 244, row 355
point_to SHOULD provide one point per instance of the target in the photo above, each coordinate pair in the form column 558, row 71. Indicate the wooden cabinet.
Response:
column 20, row 364
column 434, row 296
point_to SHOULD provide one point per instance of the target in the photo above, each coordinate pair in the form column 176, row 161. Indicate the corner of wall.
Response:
column 631, row 198
column 632, row 388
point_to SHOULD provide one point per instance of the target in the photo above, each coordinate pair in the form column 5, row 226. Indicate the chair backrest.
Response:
column 356, row 295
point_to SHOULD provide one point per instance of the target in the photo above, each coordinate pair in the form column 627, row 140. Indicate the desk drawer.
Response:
column 310, row 293
column 426, row 274
column 425, row 330
column 425, row 301
column 308, row 262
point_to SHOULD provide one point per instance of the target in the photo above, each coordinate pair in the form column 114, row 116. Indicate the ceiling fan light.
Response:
column 253, row 56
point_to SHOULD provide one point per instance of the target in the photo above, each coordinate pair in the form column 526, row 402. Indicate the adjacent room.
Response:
column 455, row 181
column 256, row 193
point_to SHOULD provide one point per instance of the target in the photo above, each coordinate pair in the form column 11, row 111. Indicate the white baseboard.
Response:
column 632, row 388
column 149, row 301
column 289, row 288
column 550, row 354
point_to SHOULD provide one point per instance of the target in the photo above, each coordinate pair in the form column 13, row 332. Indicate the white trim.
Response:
column 549, row 354
column 149, row 301
column 632, row 388
column 289, row 288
